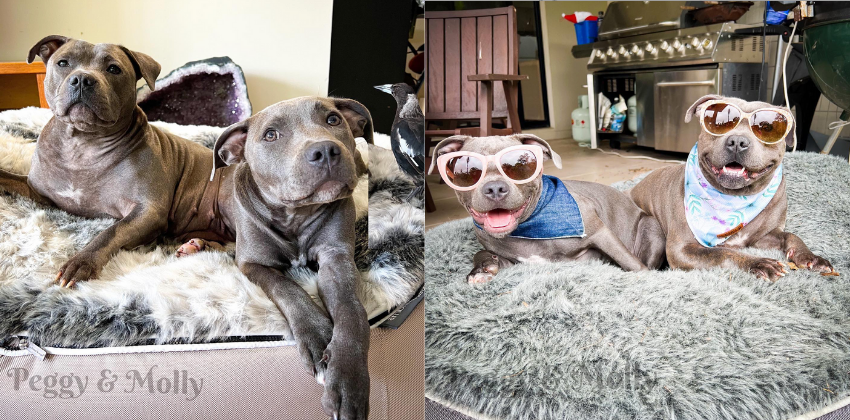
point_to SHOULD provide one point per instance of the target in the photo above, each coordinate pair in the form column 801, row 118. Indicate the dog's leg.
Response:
column 609, row 244
column 691, row 255
column 485, row 266
column 139, row 227
column 795, row 250
column 18, row 184
column 347, row 379
column 309, row 324
column 650, row 242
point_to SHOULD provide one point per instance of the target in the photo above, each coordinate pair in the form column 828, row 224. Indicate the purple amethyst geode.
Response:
column 205, row 92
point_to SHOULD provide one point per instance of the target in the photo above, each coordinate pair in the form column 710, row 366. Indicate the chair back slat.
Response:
column 436, row 76
column 462, row 43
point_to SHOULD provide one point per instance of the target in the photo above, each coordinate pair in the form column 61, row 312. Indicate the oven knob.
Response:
column 649, row 47
column 621, row 50
column 706, row 43
column 599, row 54
column 664, row 45
column 676, row 44
column 610, row 52
column 635, row 49
column 694, row 42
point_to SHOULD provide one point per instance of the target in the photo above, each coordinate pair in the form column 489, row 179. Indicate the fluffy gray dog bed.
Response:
column 147, row 295
column 587, row 340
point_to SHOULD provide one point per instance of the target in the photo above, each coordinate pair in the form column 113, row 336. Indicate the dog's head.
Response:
column 301, row 151
column 92, row 87
column 497, row 204
column 737, row 163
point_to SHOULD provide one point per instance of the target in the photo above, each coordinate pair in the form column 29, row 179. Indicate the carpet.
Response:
column 588, row 340
column 147, row 295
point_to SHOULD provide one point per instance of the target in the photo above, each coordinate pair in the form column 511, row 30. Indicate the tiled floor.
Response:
column 579, row 163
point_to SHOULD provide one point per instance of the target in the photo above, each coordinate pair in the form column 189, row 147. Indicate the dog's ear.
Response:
column 691, row 112
column 46, row 47
column 447, row 145
column 358, row 117
column 230, row 146
column 145, row 66
column 547, row 150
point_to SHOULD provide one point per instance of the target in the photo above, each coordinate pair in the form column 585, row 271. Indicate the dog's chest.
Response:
column 79, row 189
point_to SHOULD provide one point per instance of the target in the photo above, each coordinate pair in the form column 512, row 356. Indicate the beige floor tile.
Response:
column 578, row 163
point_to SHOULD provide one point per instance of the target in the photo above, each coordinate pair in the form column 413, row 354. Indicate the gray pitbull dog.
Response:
column 662, row 195
column 294, row 167
column 99, row 157
column 615, row 229
column 290, row 202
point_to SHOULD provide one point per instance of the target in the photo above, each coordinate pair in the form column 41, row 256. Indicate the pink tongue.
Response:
column 499, row 218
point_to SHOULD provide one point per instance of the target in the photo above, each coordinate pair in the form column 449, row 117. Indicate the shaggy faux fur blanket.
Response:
column 588, row 340
column 147, row 294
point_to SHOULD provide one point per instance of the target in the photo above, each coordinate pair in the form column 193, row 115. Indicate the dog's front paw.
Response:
column 80, row 267
column 312, row 337
column 484, row 271
column 194, row 246
column 346, row 395
column 810, row 261
column 481, row 277
column 767, row 268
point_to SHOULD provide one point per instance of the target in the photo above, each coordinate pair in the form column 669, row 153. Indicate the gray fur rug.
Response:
column 147, row 295
column 588, row 340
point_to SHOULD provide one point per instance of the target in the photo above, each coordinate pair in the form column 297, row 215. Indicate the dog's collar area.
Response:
column 556, row 215
column 713, row 216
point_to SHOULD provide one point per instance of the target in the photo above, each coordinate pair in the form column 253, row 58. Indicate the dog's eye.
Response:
column 63, row 63
column 334, row 119
column 271, row 135
column 114, row 69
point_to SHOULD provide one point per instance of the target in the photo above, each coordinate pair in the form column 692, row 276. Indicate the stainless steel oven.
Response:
column 654, row 51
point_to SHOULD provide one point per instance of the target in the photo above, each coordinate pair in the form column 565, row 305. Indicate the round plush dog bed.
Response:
column 588, row 340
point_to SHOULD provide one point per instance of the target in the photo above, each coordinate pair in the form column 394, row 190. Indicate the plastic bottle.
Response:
column 632, row 114
column 581, row 124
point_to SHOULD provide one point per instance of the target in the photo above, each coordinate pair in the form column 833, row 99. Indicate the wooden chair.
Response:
column 473, row 70
column 472, row 74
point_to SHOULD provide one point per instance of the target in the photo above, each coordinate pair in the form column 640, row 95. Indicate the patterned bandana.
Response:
column 556, row 216
column 713, row 216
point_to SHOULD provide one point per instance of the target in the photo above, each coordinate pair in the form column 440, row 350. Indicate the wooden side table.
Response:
column 22, row 85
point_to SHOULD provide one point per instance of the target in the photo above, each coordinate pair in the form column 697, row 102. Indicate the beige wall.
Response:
column 565, row 75
column 282, row 46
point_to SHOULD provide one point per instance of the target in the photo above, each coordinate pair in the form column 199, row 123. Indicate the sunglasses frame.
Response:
column 443, row 160
column 748, row 115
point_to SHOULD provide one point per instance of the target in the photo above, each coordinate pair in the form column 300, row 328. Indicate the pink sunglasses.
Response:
column 464, row 170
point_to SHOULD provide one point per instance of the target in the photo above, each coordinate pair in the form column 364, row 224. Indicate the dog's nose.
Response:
column 736, row 144
column 323, row 153
column 86, row 79
column 495, row 190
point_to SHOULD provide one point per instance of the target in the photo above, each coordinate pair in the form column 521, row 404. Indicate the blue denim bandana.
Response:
column 556, row 216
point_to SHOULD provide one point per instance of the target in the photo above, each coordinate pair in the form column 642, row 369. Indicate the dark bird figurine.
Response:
column 408, row 134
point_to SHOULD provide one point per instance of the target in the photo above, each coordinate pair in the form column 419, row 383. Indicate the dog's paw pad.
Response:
column 194, row 246
column 476, row 278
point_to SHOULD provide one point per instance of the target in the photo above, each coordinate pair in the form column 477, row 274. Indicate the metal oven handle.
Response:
column 674, row 84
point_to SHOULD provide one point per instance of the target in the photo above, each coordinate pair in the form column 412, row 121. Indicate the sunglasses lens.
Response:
column 519, row 165
column 720, row 119
column 769, row 126
column 464, row 171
